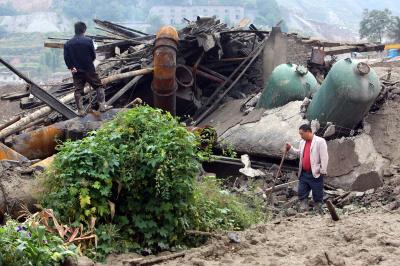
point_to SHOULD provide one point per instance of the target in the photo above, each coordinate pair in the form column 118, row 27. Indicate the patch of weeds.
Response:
column 218, row 209
column 31, row 244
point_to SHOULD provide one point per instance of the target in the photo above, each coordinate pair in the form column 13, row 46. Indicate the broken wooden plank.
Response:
column 10, row 122
column 14, row 96
column 121, row 30
column 156, row 260
column 110, row 47
column 352, row 48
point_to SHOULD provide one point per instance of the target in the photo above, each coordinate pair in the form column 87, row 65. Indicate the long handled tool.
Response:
column 276, row 176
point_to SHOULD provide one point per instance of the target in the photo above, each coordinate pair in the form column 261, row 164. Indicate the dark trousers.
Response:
column 81, row 78
column 307, row 183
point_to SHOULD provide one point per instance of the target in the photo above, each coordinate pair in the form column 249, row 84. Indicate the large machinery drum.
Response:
column 288, row 82
column 346, row 95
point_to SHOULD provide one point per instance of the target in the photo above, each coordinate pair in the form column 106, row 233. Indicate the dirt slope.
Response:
column 362, row 238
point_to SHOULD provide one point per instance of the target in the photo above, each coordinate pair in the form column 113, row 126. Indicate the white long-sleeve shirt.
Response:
column 318, row 156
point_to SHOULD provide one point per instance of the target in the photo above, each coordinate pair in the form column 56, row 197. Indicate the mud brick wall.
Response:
column 298, row 53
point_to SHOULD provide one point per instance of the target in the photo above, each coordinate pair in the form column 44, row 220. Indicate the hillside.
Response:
column 35, row 22
column 29, row 6
column 334, row 20
column 342, row 13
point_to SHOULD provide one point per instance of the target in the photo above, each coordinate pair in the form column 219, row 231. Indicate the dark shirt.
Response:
column 79, row 53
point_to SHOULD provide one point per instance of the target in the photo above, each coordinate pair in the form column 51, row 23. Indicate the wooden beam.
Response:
column 56, row 45
column 124, row 89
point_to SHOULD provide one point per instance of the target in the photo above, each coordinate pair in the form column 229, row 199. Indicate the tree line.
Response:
column 379, row 24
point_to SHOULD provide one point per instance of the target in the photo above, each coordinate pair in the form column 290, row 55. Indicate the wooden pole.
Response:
column 123, row 90
column 130, row 74
column 277, row 175
column 10, row 122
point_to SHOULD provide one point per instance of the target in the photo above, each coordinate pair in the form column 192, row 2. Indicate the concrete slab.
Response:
column 267, row 136
column 354, row 163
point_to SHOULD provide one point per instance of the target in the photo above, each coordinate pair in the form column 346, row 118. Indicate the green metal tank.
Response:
column 346, row 95
column 288, row 82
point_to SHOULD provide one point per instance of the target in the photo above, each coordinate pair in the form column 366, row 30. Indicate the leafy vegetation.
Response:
column 136, row 177
column 137, row 172
column 394, row 33
column 31, row 244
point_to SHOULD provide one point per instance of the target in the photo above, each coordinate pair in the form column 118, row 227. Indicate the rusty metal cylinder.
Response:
column 164, row 83
column 39, row 144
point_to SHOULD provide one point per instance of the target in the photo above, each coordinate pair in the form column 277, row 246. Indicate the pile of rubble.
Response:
column 212, row 62
column 212, row 76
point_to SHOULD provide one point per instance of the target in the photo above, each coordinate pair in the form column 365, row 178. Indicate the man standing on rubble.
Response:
column 79, row 54
column 313, row 154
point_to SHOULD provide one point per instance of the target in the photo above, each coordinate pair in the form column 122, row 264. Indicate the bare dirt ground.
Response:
column 360, row 238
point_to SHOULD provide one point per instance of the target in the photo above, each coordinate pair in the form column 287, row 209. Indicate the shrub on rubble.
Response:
column 136, row 178
column 137, row 172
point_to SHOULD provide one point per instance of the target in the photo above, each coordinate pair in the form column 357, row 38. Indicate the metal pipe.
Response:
column 164, row 84
column 39, row 144
column 208, row 76
column 212, row 72
column 184, row 76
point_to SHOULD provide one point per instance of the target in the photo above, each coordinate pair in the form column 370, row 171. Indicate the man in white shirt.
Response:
column 313, row 155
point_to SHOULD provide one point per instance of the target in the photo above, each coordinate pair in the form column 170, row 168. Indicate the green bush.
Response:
column 136, row 176
column 218, row 209
column 136, row 172
column 24, row 244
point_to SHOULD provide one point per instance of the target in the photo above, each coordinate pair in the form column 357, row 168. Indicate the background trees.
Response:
column 376, row 24
column 394, row 33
